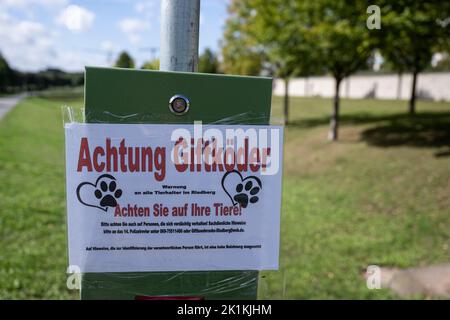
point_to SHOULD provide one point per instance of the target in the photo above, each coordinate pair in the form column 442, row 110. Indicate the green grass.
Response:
column 33, row 256
column 380, row 195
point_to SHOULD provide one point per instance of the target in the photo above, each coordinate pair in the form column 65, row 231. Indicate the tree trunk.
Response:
column 334, row 123
column 412, row 101
column 306, row 87
column 399, row 86
column 286, row 101
column 347, row 88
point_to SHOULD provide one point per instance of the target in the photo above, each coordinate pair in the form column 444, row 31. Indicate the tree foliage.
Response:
column 124, row 60
column 240, row 50
column 343, row 43
column 5, row 74
column 444, row 63
column 270, row 36
column 208, row 62
column 412, row 30
column 151, row 65
column 12, row 80
column 300, row 38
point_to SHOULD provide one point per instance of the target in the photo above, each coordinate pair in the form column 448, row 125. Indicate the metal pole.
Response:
column 179, row 35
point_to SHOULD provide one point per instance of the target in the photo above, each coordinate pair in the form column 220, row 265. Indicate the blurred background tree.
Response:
column 281, row 29
column 12, row 80
column 342, row 42
column 412, row 30
column 240, row 51
column 299, row 38
column 151, row 65
column 444, row 62
column 208, row 62
column 124, row 60
column 5, row 74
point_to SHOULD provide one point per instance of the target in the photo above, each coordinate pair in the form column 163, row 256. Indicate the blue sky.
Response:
column 69, row 34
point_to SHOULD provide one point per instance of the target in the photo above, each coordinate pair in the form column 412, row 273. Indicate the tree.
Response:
column 151, row 65
column 240, row 51
column 388, row 66
column 5, row 74
column 301, row 37
column 411, row 32
column 13, row 80
column 443, row 64
column 208, row 62
column 124, row 61
column 282, row 27
column 273, row 35
column 343, row 43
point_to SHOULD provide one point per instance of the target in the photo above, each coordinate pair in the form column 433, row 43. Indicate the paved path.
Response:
column 9, row 102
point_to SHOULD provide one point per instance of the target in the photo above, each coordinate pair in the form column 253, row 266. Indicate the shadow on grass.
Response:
column 422, row 130
column 426, row 129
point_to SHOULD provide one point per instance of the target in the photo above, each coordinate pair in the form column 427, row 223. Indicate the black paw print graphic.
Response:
column 108, row 199
column 242, row 191
column 246, row 194
column 102, row 194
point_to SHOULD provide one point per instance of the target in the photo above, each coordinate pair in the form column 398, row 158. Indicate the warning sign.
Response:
column 173, row 197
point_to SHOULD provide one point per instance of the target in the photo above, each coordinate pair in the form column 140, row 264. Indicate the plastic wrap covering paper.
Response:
column 192, row 285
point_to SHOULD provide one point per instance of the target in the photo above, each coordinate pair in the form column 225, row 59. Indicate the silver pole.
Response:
column 179, row 35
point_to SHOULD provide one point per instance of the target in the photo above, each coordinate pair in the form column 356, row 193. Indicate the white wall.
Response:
column 434, row 86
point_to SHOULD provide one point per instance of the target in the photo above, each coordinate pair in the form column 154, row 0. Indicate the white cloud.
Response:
column 26, row 3
column 29, row 46
column 28, row 7
column 25, row 44
column 133, row 28
column 108, row 46
column 76, row 60
column 149, row 8
column 76, row 18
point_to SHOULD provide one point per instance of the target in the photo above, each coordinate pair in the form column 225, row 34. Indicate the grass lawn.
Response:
column 381, row 195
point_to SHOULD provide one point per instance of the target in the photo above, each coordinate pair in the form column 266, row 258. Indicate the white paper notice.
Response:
column 173, row 197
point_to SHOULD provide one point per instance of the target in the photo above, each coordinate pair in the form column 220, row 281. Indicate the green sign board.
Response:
column 138, row 96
